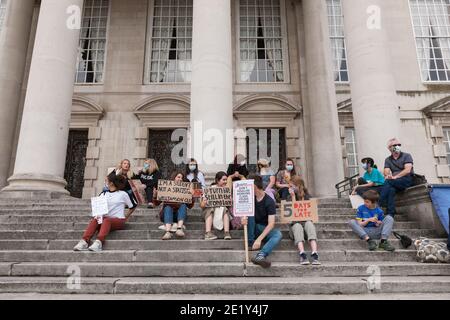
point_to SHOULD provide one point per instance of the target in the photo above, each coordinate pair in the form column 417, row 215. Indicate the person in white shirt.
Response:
column 194, row 175
column 116, row 218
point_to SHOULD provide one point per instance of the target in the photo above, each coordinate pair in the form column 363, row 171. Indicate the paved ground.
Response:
column 34, row 296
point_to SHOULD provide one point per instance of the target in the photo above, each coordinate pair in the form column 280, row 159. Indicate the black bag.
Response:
column 418, row 179
column 404, row 240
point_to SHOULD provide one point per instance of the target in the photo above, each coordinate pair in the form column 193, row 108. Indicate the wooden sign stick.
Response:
column 247, row 260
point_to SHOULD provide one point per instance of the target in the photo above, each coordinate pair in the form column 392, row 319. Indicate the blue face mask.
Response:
column 289, row 168
column 365, row 166
column 146, row 166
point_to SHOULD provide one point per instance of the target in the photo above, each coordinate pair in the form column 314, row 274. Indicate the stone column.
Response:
column 321, row 96
column 375, row 106
column 44, row 131
column 14, row 39
column 212, row 82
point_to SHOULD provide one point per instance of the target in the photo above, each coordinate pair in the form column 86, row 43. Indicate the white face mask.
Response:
column 289, row 168
column 397, row 149
column 192, row 168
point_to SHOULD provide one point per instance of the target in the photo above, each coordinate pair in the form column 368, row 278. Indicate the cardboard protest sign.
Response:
column 218, row 197
column 198, row 191
column 244, row 198
column 99, row 206
column 299, row 211
column 139, row 191
column 356, row 201
column 171, row 191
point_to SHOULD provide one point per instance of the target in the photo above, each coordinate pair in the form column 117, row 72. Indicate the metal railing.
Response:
column 346, row 186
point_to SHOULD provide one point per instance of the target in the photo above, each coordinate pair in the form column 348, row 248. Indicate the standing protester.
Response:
column 398, row 171
column 114, row 220
column 238, row 169
column 261, row 227
column 124, row 170
column 372, row 179
column 193, row 174
column 149, row 177
column 284, row 177
column 174, row 212
column 220, row 215
column 297, row 230
column 268, row 177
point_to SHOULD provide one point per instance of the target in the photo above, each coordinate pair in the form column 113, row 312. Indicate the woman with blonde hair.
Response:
column 124, row 170
column 149, row 177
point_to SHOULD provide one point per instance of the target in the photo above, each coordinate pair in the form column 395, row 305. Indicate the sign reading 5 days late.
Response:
column 299, row 211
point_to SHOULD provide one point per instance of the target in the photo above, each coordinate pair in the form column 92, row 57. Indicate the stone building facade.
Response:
column 335, row 79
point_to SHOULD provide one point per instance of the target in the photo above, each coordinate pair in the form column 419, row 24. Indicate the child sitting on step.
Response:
column 371, row 224
column 297, row 230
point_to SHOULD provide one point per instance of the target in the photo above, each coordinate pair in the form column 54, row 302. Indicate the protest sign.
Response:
column 299, row 211
column 177, row 192
column 99, row 206
column 139, row 191
column 356, row 201
column 244, row 198
column 218, row 197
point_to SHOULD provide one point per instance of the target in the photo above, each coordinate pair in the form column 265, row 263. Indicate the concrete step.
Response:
column 196, row 256
column 224, row 269
column 154, row 226
column 236, row 244
column 335, row 286
column 151, row 218
column 190, row 234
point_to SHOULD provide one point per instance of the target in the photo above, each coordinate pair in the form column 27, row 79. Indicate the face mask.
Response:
column 365, row 166
column 397, row 149
column 192, row 168
column 289, row 168
column 146, row 166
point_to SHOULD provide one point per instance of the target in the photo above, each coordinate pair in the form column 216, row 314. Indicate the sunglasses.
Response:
column 397, row 145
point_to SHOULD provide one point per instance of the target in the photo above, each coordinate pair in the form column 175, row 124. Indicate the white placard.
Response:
column 356, row 201
column 244, row 198
column 99, row 206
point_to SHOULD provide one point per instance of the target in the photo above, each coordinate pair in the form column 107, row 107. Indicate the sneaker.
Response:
column 227, row 236
column 81, row 246
column 372, row 245
column 315, row 259
column 175, row 228
column 163, row 228
column 96, row 246
column 386, row 246
column 304, row 259
column 180, row 233
column 210, row 236
column 261, row 260
column 150, row 205
column 167, row 236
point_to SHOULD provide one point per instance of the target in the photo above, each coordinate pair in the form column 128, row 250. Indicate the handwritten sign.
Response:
column 99, row 206
column 139, row 191
column 299, row 211
column 198, row 191
column 218, row 197
column 356, row 201
column 244, row 198
column 177, row 192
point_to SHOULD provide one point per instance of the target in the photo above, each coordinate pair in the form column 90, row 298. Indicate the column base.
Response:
column 32, row 185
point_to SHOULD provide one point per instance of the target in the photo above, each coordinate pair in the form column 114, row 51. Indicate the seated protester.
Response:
column 398, row 171
column 284, row 177
column 268, row 177
column 174, row 212
column 124, row 169
column 262, row 225
column 370, row 224
column 149, row 177
column 297, row 230
column 372, row 179
column 220, row 215
column 192, row 174
column 114, row 220
column 238, row 169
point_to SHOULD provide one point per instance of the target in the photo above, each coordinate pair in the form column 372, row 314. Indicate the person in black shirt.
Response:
column 238, row 169
column 149, row 177
column 124, row 169
column 262, row 225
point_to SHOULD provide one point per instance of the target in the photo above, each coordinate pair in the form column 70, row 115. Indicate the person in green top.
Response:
column 372, row 179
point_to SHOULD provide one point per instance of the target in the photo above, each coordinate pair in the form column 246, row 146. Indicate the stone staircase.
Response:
column 37, row 237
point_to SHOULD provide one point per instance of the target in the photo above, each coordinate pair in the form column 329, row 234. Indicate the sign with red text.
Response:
column 299, row 211
column 244, row 198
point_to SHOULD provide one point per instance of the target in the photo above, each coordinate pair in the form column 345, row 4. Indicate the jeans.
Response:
column 284, row 193
column 271, row 241
column 179, row 215
column 390, row 188
column 383, row 231
column 448, row 240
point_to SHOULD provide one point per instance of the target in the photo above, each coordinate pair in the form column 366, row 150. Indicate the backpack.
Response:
column 404, row 240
